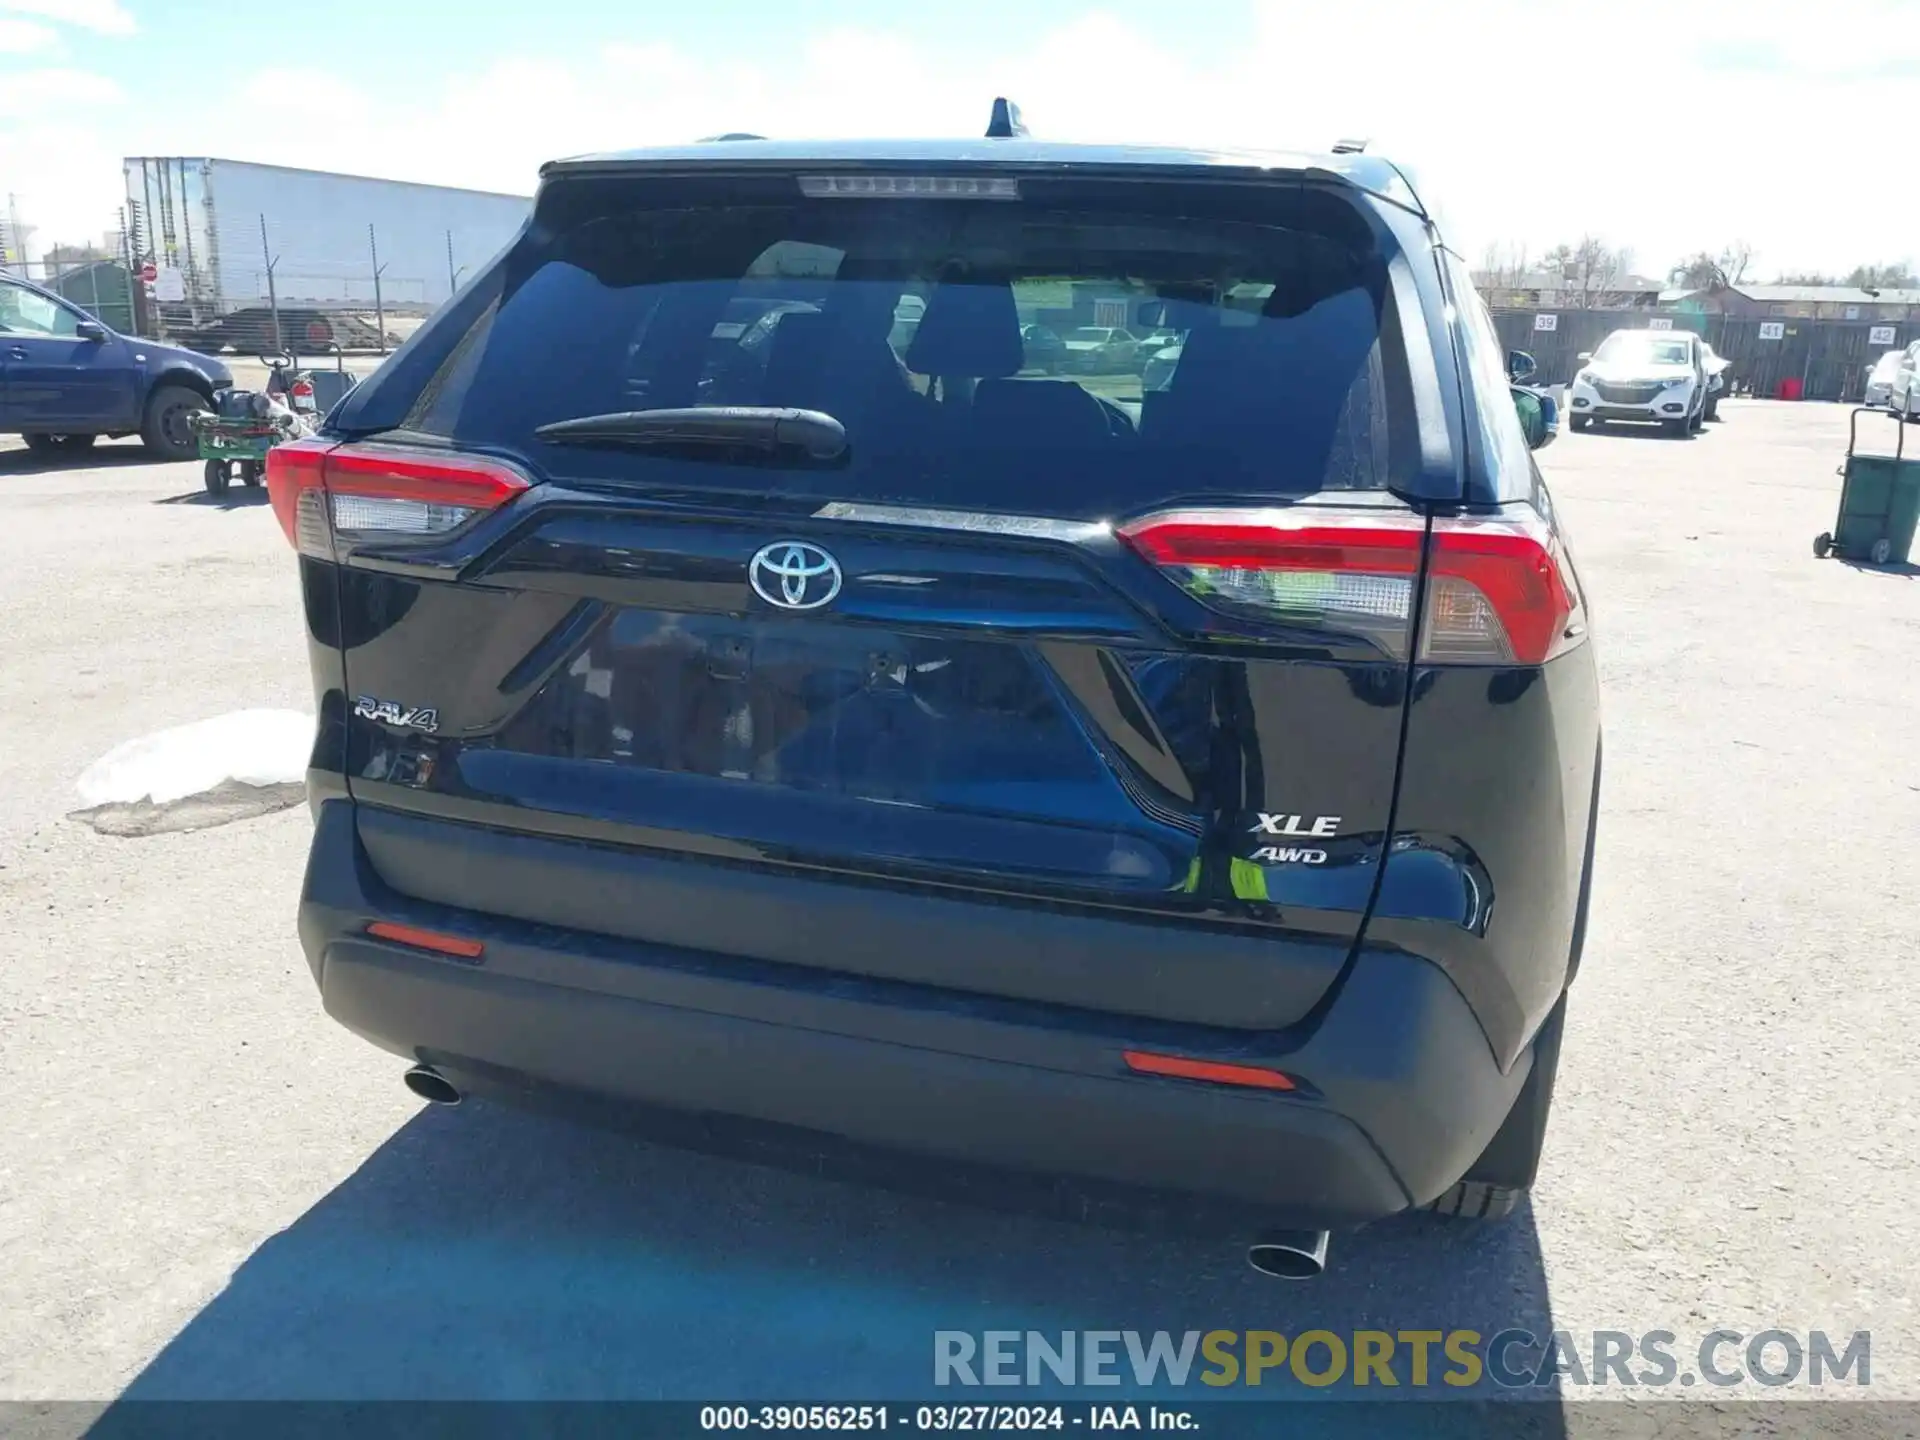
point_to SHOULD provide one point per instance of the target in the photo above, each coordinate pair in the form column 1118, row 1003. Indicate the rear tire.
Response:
column 165, row 430
column 1882, row 549
column 250, row 471
column 1712, row 412
column 1493, row 1186
column 1678, row 428
column 1822, row 544
column 218, row 477
column 60, row 444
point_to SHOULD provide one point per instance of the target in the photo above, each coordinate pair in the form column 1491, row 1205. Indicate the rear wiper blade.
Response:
column 765, row 428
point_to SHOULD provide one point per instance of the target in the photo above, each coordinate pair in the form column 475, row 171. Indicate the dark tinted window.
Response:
column 1030, row 355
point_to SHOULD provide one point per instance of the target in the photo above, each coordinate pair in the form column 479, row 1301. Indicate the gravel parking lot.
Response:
column 209, row 1189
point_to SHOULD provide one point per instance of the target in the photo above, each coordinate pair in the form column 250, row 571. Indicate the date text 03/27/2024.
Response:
column 978, row 1418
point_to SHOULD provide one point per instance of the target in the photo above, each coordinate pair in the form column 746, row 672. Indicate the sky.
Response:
column 1661, row 126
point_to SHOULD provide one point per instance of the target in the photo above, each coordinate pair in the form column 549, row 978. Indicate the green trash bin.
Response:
column 1879, row 501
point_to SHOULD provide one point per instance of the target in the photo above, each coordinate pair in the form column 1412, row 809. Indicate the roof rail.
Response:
column 1350, row 147
column 1006, row 122
column 730, row 135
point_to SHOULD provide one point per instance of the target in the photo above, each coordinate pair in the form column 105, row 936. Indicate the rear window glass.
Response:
column 1030, row 356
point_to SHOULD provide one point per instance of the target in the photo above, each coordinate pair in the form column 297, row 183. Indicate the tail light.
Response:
column 1498, row 591
column 323, row 492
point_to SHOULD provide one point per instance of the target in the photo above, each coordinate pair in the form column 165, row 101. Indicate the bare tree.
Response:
column 1709, row 270
column 1504, row 266
column 1883, row 277
column 1594, row 275
column 1734, row 261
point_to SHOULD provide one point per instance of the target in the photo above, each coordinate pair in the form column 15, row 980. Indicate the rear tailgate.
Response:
column 1047, row 688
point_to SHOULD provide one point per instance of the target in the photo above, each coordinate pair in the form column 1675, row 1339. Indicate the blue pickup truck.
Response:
column 66, row 379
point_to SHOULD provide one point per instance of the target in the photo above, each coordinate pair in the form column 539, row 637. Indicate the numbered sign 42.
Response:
column 1773, row 329
column 1880, row 335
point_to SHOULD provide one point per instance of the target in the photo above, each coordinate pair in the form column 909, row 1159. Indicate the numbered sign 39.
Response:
column 1880, row 335
column 1773, row 329
column 1546, row 322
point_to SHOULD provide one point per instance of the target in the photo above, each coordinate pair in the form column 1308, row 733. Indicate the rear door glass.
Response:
column 1034, row 356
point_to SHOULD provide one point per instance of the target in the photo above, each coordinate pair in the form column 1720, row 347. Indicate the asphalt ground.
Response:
column 208, row 1189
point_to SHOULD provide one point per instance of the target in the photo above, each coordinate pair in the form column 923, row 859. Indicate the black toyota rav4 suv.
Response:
column 860, row 732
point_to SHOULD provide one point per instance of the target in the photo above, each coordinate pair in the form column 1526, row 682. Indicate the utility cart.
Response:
column 235, row 436
column 234, row 447
column 1879, row 500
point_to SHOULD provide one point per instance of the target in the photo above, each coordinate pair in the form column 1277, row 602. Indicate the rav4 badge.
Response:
column 391, row 712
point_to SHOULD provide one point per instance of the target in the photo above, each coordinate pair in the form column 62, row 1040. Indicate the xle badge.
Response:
column 390, row 712
column 1317, row 827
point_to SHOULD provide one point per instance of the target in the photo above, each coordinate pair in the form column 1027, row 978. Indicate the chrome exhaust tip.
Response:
column 1289, row 1254
column 430, row 1084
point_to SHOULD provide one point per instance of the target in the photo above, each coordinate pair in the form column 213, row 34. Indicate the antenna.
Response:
column 1006, row 122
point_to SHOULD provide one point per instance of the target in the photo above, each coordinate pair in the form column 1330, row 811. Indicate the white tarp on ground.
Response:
column 253, row 747
column 211, row 772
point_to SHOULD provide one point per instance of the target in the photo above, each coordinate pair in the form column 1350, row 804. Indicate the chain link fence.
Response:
column 253, row 258
column 306, row 304
column 251, row 285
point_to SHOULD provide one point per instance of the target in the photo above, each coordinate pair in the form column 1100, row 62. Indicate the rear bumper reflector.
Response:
column 426, row 940
column 1259, row 1077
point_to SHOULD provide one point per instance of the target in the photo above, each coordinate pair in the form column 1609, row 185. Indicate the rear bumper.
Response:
column 1404, row 1089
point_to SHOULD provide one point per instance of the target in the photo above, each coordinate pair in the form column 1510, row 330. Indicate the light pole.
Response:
column 273, row 295
column 379, row 306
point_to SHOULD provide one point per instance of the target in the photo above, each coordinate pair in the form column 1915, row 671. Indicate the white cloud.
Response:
column 25, row 37
column 37, row 93
column 1523, row 134
column 108, row 17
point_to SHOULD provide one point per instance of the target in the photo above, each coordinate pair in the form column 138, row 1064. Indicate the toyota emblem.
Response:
column 794, row 575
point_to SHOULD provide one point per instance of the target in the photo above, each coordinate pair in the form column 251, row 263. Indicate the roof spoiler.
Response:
column 1006, row 123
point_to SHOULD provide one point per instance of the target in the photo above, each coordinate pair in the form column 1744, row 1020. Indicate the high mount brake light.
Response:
column 322, row 491
column 1497, row 590
column 910, row 187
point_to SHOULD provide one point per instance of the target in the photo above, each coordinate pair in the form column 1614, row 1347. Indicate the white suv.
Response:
column 1903, row 391
column 1645, row 375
